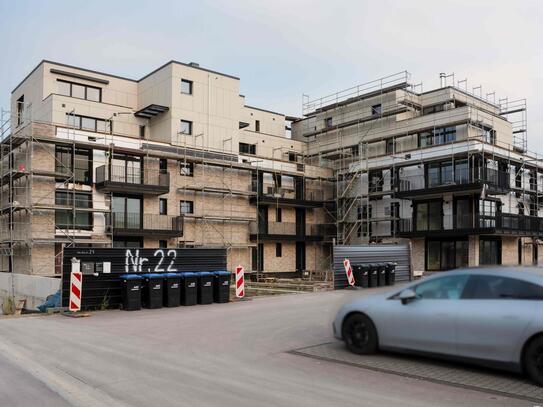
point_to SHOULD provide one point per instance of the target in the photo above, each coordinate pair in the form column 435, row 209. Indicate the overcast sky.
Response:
column 282, row 49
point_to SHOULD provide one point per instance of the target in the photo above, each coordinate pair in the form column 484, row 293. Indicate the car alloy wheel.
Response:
column 359, row 334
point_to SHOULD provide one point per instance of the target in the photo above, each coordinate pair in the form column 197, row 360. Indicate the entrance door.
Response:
column 127, row 213
column 300, row 222
column 300, row 256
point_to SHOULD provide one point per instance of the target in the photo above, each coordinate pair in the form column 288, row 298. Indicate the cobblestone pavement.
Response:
column 481, row 379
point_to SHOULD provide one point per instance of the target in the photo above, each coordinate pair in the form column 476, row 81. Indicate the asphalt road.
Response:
column 214, row 355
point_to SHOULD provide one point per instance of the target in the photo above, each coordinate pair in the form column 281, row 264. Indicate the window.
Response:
column 257, row 125
column 65, row 219
column 79, row 91
column 186, row 127
column 127, row 212
column 163, row 206
column 186, row 87
column 142, row 132
column 163, row 244
column 81, row 164
column 278, row 250
column 462, row 217
column 291, row 156
column 328, row 122
column 88, row 123
column 446, row 173
column 186, row 169
column 489, row 251
column 446, row 254
column 20, row 110
column 428, row 215
column 433, row 109
column 245, row 148
column 487, row 213
column 186, row 207
column 376, row 110
column 126, row 168
column 163, row 165
column 278, row 214
column 443, row 288
column 482, row 287
column 390, row 146
column 437, row 136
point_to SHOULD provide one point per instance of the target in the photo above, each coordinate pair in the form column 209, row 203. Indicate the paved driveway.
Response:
column 214, row 355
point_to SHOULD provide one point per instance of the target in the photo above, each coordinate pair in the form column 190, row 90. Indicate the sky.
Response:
column 283, row 49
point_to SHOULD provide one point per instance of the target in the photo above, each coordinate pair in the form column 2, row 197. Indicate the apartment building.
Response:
column 446, row 170
column 174, row 159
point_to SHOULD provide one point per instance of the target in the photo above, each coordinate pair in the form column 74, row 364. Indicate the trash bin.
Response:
column 221, row 287
column 205, row 287
column 172, row 290
column 391, row 273
column 189, row 288
column 381, row 274
column 131, row 292
column 361, row 275
column 153, row 290
column 373, row 270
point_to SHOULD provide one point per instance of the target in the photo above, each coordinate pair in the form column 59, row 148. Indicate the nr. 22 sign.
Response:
column 162, row 261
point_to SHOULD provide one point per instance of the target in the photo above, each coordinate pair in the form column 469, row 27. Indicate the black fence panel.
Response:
column 103, row 267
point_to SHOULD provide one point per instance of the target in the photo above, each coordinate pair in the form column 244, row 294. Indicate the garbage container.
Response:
column 189, row 288
column 381, row 274
column 152, row 290
column 131, row 292
column 221, row 286
column 172, row 290
column 205, row 287
column 373, row 270
column 391, row 273
column 361, row 275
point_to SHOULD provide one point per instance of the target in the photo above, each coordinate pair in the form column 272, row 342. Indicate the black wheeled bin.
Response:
column 391, row 273
column 361, row 275
column 221, row 286
column 373, row 270
column 172, row 290
column 189, row 288
column 131, row 292
column 381, row 274
column 205, row 287
column 153, row 290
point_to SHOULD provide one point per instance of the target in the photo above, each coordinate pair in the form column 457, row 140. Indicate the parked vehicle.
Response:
column 487, row 316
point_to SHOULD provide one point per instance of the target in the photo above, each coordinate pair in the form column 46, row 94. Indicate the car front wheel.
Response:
column 533, row 360
column 359, row 334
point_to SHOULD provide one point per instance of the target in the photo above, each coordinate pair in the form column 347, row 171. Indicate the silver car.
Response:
column 492, row 317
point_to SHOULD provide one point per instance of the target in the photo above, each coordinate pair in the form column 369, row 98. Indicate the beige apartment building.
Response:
column 174, row 159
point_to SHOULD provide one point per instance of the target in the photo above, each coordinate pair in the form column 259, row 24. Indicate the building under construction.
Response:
column 177, row 159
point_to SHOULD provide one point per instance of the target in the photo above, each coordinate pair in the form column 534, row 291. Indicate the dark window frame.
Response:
column 65, row 197
column 278, row 250
column 86, row 87
column 189, row 123
column 68, row 151
column 186, row 169
column 190, row 85
column 246, row 148
column 162, row 206
column 190, row 207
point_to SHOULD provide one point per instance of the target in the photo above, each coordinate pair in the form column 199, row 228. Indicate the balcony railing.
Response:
column 464, row 176
column 137, row 223
column 505, row 223
column 308, row 194
column 142, row 180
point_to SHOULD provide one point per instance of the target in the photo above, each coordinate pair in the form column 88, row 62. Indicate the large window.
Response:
column 428, row 215
column 127, row 212
column 65, row 218
column 489, row 251
column 462, row 213
column 126, row 169
column 80, row 164
column 446, row 254
column 245, row 148
column 447, row 173
column 79, row 91
column 487, row 213
column 88, row 123
column 438, row 136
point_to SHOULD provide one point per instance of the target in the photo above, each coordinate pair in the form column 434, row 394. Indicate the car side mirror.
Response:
column 407, row 295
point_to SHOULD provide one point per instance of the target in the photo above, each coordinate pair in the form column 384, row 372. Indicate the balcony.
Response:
column 469, row 224
column 118, row 178
column 137, row 224
column 273, row 231
column 461, row 180
column 289, row 197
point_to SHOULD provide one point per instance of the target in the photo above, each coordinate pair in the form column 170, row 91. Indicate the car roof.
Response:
column 533, row 274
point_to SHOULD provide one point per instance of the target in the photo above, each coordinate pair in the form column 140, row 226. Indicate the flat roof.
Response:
column 117, row 76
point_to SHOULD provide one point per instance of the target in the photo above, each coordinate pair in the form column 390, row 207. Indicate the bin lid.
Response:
column 131, row 277
column 221, row 273
column 204, row 273
column 171, row 275
column 188, row 274
column 152, row 275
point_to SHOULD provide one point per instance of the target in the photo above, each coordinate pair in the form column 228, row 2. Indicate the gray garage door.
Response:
column 372, row 253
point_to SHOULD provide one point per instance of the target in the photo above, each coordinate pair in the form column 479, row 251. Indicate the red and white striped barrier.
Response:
column 76, row 282
column 240, row 282
column 349, row 271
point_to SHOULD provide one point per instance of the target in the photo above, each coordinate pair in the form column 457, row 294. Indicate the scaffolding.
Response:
column 369, row 134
